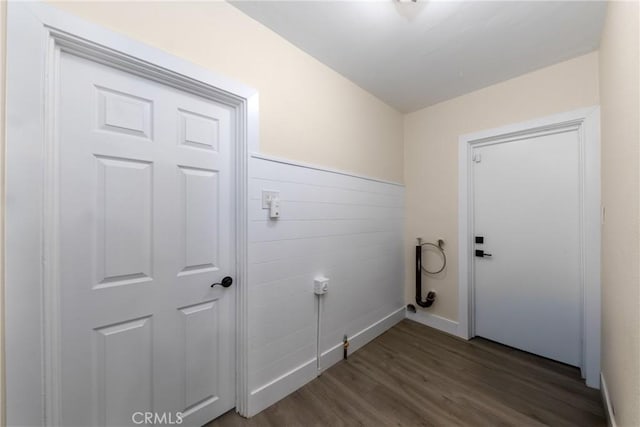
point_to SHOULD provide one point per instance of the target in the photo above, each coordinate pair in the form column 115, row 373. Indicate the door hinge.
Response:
column 477, row 158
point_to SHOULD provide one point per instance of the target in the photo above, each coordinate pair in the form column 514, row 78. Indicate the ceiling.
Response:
column 412, row 55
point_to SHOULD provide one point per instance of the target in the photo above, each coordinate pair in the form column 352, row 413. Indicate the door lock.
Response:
column 225, row 282
column 481, row 254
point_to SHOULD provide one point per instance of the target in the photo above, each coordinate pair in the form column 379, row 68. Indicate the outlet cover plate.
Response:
column 268, row 195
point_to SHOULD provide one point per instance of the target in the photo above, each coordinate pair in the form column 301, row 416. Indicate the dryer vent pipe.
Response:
column 431, row 295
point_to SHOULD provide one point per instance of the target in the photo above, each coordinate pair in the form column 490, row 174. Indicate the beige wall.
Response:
column 308, row 112
column 431, row 154
column 620, row 103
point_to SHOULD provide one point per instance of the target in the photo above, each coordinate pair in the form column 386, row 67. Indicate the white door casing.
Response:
column 43, row 225
column 583, row 124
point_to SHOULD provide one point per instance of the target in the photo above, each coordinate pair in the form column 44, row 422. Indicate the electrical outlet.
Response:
column 274, row 208
column 320, row 285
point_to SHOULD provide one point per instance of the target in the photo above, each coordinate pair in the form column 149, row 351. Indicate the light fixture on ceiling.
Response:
column 409, row 9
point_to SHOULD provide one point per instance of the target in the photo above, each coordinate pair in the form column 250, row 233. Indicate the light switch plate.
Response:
column 268, row 195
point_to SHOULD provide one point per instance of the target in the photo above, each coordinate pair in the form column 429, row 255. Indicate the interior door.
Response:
column 145, row 228
column 527, row 214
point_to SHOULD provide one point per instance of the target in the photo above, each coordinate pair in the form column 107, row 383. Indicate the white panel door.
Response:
column 526, row 207
column 145, row 227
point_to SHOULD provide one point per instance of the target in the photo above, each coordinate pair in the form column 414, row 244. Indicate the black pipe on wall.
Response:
column 431, row 296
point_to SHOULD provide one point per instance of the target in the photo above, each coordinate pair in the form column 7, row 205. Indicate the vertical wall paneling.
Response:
column 347, row 228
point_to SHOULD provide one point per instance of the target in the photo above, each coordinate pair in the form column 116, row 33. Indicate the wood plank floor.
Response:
column 413, row 375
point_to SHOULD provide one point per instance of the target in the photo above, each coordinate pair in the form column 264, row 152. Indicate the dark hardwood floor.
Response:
column 413, row 375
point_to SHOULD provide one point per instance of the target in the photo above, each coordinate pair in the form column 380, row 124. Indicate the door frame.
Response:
column 31, row 299
column 586, row 122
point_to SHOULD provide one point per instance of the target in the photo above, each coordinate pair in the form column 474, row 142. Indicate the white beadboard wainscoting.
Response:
column 344, row 227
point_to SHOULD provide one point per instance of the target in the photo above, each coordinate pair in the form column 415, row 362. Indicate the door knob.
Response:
column 225, row 283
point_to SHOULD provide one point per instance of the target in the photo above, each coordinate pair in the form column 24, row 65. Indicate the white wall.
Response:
column 346, row 228
column 431, row 155
column 3, row 11
column 620, row 94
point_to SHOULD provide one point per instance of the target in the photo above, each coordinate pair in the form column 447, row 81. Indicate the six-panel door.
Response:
column 145, row 227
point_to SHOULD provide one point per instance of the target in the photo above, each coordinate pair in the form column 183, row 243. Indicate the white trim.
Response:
column 434, row 321
column 51, row 17
column 31, row 336
column 334, row 354
column 319, row 168
column 268, row 394
column 606, row 399
column 587, row 122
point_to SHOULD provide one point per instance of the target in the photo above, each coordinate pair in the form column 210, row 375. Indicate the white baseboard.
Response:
column 356, row 341
column 608, row 408
column 433, row 320
column 268, row 394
